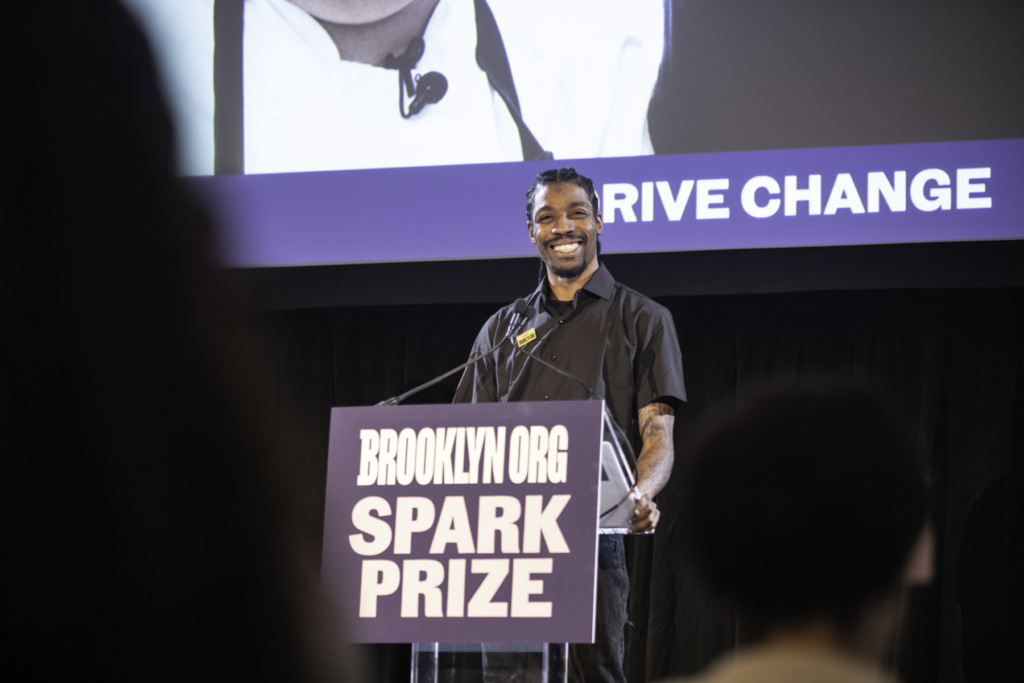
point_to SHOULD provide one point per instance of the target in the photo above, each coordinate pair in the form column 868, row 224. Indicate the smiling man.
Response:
column 620, row 344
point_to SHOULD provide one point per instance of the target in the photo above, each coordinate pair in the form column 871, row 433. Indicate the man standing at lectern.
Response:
column 620, row 344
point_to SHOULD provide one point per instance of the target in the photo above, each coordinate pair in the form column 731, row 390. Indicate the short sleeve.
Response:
column 659, row 364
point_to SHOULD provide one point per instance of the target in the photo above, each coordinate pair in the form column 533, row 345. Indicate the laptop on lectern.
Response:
column 615, row 504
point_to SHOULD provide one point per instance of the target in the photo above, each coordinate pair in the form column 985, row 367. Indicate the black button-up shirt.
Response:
column 621, row 344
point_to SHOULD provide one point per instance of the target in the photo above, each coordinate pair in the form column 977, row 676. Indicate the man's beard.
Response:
column 570, row 272
column 574, row 271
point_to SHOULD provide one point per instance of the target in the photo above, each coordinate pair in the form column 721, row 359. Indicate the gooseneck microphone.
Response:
column 616, row 435
column 623, row 441
column 521, row 313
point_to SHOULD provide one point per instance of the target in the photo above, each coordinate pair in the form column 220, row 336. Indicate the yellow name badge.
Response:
column 526, row 337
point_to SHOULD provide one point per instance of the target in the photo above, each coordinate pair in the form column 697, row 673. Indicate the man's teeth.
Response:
column 566, row 248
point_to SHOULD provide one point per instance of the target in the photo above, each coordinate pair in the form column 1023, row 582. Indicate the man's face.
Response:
column 565, row 230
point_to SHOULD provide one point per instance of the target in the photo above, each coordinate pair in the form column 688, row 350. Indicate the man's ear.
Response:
column 920, row 567
column 529, row 229
column 600, row 224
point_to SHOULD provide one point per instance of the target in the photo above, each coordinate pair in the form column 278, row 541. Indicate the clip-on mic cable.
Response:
column 426, row 89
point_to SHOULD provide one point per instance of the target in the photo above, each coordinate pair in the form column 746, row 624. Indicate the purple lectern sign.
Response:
column 464, row 523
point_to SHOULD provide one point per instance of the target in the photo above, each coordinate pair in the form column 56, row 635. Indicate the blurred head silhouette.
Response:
column 154, row 536
column 805, row 509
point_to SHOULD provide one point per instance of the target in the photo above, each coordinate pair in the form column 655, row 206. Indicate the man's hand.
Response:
column 645, row 514
column 654, row 465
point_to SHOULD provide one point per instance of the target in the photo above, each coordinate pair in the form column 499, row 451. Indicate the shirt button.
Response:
column 546, row 397
column 560, row 322
column 554, row 357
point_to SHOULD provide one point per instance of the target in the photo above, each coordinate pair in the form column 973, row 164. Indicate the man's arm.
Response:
column 654, row 465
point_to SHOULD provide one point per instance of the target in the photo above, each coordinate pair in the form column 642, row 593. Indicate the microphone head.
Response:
column 521, row 312
column 431, row 86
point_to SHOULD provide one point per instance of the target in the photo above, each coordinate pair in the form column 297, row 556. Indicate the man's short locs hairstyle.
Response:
column 803, row 504
column 561, row 175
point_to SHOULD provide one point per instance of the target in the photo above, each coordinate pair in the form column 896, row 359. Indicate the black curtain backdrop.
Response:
column 951, row 358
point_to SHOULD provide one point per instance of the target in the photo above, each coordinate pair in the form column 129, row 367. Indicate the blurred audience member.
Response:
column 806, row 513
column 154, row 535
column 989, row 572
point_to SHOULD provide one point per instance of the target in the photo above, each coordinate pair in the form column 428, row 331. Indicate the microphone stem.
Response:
column 401, row 397
column 517, row 322
column 622, row 438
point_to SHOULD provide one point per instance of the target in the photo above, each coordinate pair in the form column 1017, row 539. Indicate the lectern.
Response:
column 470, row 531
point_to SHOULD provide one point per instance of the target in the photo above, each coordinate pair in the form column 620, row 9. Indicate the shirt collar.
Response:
column 601, row 284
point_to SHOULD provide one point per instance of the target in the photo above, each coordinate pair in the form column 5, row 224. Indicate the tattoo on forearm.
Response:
column 649, row 426
column 654, row 465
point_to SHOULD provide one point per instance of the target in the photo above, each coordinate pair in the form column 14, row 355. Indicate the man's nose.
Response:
column 563, row 224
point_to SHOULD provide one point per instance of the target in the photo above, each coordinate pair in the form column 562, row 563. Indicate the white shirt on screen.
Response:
column 584, row 72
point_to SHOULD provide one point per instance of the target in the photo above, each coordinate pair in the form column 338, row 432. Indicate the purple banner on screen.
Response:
column 464, row 523
column 927, row 192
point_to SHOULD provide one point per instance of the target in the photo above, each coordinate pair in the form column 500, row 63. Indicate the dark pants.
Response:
column 602, row 661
